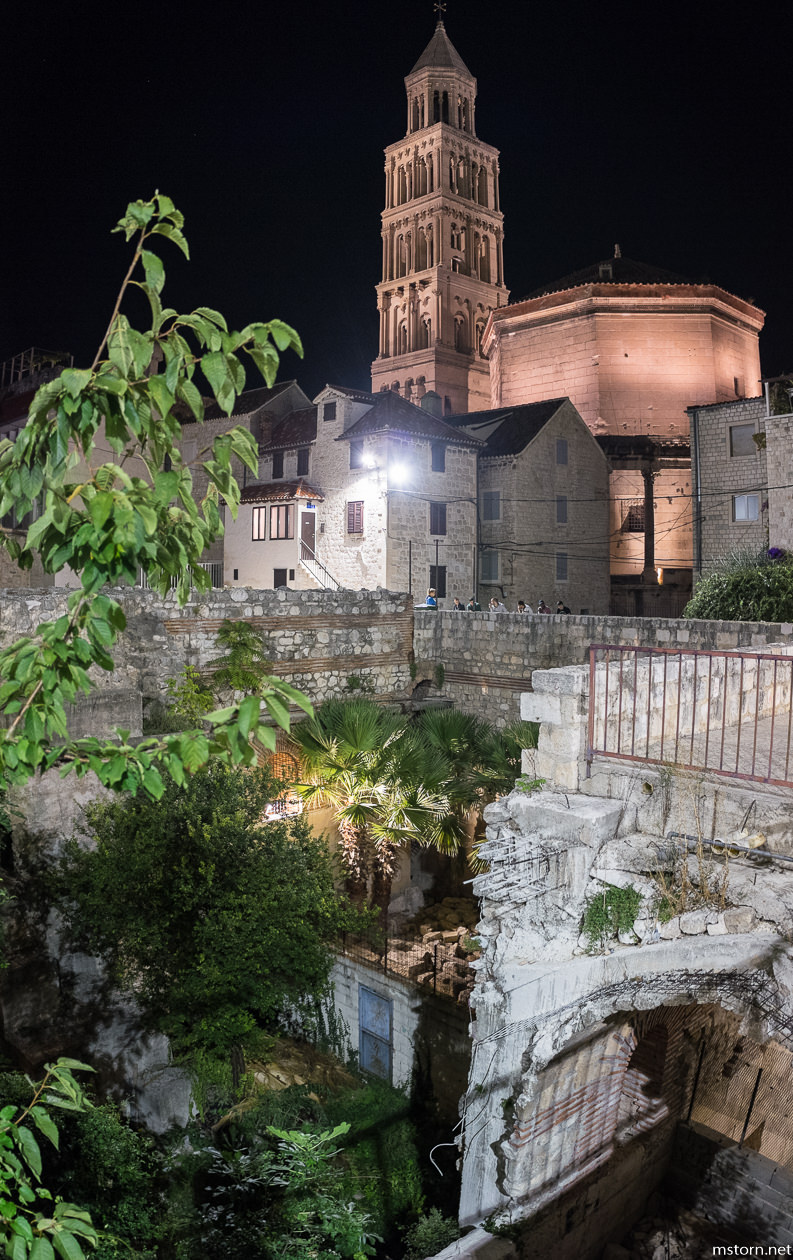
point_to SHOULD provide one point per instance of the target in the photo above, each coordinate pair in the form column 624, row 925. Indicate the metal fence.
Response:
column 728, row 713
column 213, row 567
column 746, row 1094
column 436, row 966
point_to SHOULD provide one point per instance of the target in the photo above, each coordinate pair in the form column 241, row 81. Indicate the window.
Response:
column 355, row 518
column 439, row 457
column 279, row 578
column 491, row 505
column 356, row 455
column 258, row 533
column 302, row 462
column 438, row 579
column 278, row 465
column 490, row 567
column 561, row 509
column 329, row 411
column 741, row 442
column 561, row 566
column 437, row 518
column 746, row 507
column 282, row 521
column 561, row 450
column 633, row 521
column 374, row 1033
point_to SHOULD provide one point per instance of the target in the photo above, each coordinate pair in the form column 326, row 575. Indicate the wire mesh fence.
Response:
column 746, row 1093
column 441, row 965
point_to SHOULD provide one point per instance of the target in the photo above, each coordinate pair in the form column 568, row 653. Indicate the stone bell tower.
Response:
column 443, row 270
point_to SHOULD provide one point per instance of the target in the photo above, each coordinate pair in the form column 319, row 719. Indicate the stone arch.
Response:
column 481, row 190
column 421, row 250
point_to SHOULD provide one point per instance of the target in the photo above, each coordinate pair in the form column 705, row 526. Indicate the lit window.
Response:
column 746, row 507
column 741, row 439
column 491, row 505
column 282, row 521
column 355, row 518
column 258, row 533
column 437, row 518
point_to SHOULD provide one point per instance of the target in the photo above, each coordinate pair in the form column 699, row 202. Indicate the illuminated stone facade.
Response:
column 443, row 270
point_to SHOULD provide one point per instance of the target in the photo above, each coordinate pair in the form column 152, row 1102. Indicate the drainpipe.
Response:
column 697, row 492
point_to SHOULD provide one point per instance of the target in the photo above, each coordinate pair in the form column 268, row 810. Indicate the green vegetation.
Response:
column 215, row 922
column 747, row 586
column 612, row 911
column 431, row 1233
column 34, row 1222
column 391, row 781
column 109, row 518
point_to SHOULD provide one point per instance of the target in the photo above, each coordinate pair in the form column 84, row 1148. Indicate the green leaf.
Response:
column 100, row 507
column 285, row 337
column 42, row 1249
column 214, row 316
column 161, row 395
column 45, row 1124
column 76, row 380
column 67, row 1246
column 155, row 272
column 17, row 1247
column 248, row 714
column 30, row 1150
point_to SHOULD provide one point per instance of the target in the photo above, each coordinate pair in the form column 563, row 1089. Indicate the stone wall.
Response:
column 779, row 465
column 489, row 659
column 315, row 639
column 721, row 475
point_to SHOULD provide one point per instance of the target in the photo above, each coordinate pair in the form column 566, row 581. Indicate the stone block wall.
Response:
column 722, row 475
column 737, row 1188
column 779, row 465
column 490, row 658
column 315, row 639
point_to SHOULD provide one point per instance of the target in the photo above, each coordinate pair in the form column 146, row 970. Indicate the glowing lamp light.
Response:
column 659, row 573
column 369, row 461
column 399, row 473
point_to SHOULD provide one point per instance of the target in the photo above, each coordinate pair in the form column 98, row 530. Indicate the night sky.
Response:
column 666, row 129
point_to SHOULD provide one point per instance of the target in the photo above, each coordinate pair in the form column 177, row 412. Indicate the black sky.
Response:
column 665, row 129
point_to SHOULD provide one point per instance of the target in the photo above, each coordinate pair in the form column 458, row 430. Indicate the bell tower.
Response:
column 443, row 270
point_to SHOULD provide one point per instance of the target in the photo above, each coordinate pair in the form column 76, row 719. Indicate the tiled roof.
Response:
column 610, row 271
column 299, row 428
column 280, row 491
column 441, row 54
column 391, row 413
column 508, row 430
column 249, row 401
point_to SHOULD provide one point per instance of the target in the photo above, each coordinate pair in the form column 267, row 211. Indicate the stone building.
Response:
column 543, row 506
column 443, row 269
column 632, row 346
column 742, row 472
column 360, row 491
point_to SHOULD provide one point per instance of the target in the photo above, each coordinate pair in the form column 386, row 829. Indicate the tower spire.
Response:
column 442, row 239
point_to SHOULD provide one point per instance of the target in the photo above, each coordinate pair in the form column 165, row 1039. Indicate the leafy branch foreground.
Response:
column 99, row 475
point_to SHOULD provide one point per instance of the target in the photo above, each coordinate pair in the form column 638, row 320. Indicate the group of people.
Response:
column 496, row 605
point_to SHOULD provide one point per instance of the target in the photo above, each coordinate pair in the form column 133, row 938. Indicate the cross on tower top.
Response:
column 440, row 9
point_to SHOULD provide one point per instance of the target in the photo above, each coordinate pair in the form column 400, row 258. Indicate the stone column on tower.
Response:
column 440, row 179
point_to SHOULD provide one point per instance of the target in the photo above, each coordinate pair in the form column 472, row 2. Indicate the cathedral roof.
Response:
column 298, row 428
column 441, row 54
column 391, row 413
column 280, row 491
column 508, row 430
column 616, row 270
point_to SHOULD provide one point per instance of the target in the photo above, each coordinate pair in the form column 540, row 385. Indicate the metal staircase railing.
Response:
column 313, row 565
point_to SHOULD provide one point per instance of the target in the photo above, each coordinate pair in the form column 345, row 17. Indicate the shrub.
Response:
column 430, row 1234
column 613, row 911
column 747, row 586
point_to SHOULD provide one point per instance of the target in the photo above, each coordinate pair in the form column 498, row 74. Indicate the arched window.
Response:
column 425, row 333
column 484, row 259
column 482, row 186
column 480, row 332
column 436, row 107
column 430, row 174
column 401, row 257
column 421, row 250
column 445, row 107
column 409, row 387
column 421, row 178
column 460, row 336
column 402, row 338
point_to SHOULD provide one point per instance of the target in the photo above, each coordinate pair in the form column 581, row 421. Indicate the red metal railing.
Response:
column 726, row 713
